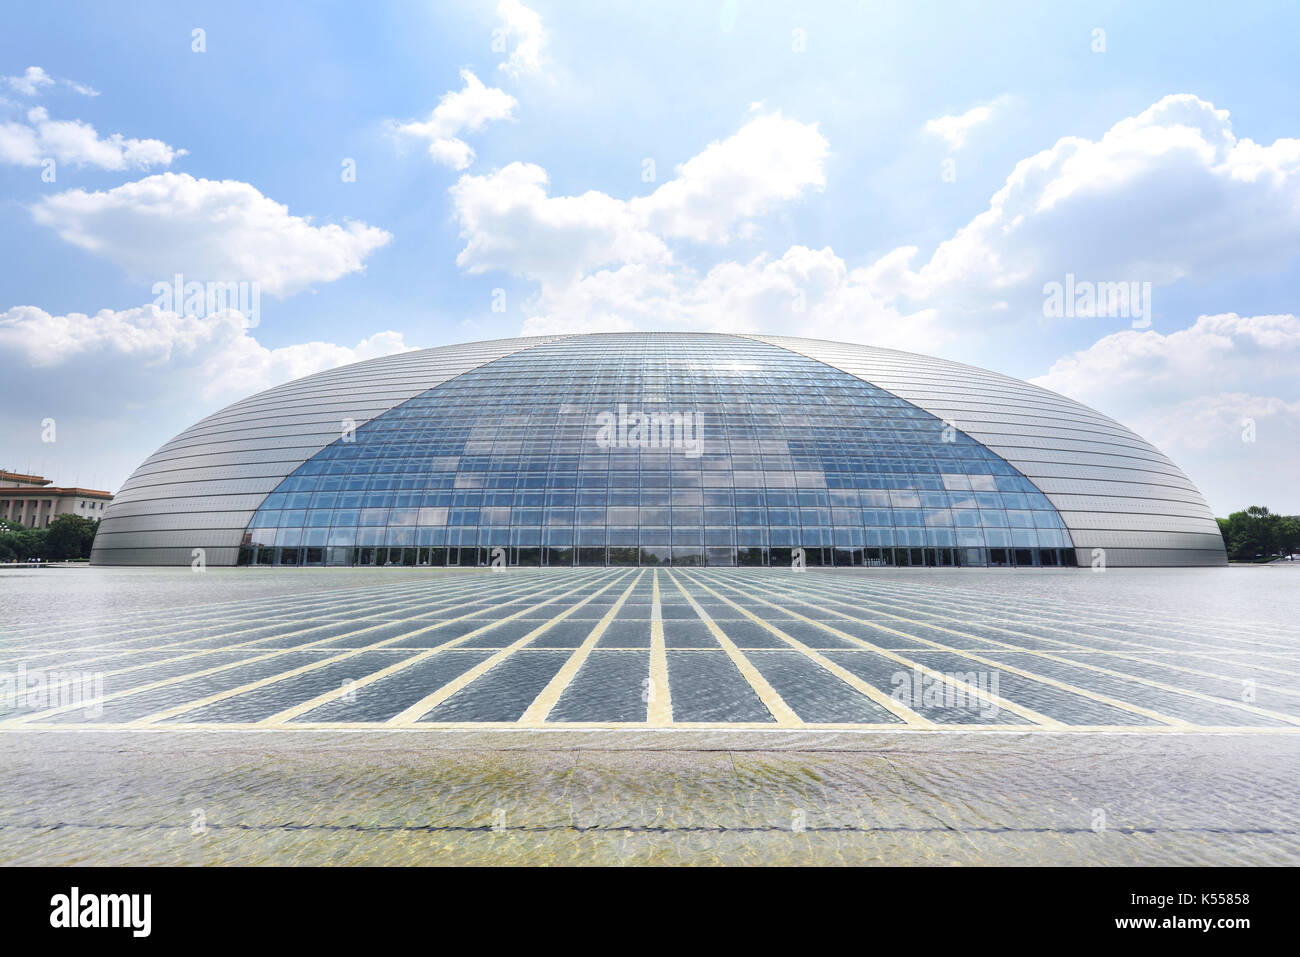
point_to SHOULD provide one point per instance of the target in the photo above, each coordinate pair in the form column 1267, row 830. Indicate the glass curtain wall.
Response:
column 656, row 450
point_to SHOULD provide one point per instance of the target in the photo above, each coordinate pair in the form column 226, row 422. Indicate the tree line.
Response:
column 1257, row 533
column 66, row 538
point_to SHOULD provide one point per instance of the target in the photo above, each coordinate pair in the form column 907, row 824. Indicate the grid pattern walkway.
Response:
column 658, row 648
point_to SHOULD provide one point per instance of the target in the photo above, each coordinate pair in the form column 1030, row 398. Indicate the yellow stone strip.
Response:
column 1264, row 712
column 176, row 679
column 352, row 653
column 200, row 652
column 659, row 696
column 1075, row 646
column 1114, row 702
column 195, row 619
column 430, row 701
column 308, row 624
column 775, row 704
column 544, row 702
column 347, row 593
column 968, row 690
column 912, row 718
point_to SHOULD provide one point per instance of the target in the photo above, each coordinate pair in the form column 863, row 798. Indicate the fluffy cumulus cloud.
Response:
column 510, row 223
column 521, row 26
column 1168, row 193
column 955, row 128
column 32, row 138
column 39, row 138
column 1226, row 348
column 771, row 160
column 209, row 230
column 1219, row 396
column 602, row 263
column 1162, row 195
column 466, row 110
column 130, row 379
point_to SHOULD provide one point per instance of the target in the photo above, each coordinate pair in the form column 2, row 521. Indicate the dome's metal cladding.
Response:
column 658, row 448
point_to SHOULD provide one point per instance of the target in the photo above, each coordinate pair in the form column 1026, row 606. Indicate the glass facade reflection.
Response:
column 656, row 450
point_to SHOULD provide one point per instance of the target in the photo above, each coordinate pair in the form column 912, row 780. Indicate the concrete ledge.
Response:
column 416, row 740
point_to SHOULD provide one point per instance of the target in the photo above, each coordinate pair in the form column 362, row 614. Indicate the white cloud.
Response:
column 956, row 128
column 209, row 230
column 30, row 82
column 509, row 222
column 451, row 152
column 1193, row 392
column 1161, row 195
column 216, row 355
column 128, row 380
column 1227, row 350
column 468, row 109
column 770, row 160
column 808, row 292
column 19, row 145
column 1169, row 193
column 603, row 263
column 34, row 79
column 525, row 27
column 75, row 142
column 1218, row 421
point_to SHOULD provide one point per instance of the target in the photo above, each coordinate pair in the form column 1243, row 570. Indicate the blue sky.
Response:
column 908, row 175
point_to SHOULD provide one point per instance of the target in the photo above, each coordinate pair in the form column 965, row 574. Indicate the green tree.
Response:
column 1258, row 533
column 22, row 543
column 69, row 536
column 1288, row 534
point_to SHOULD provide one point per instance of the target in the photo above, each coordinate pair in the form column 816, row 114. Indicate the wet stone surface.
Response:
column 1156, row 648
column 668, row 715
column 411, row 798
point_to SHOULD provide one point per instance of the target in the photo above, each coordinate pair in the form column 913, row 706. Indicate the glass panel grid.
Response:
column 598, row 449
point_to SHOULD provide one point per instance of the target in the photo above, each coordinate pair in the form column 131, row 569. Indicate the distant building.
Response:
column 32, row 501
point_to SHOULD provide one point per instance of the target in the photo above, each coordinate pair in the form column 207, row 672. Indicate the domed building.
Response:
column 658, row 449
